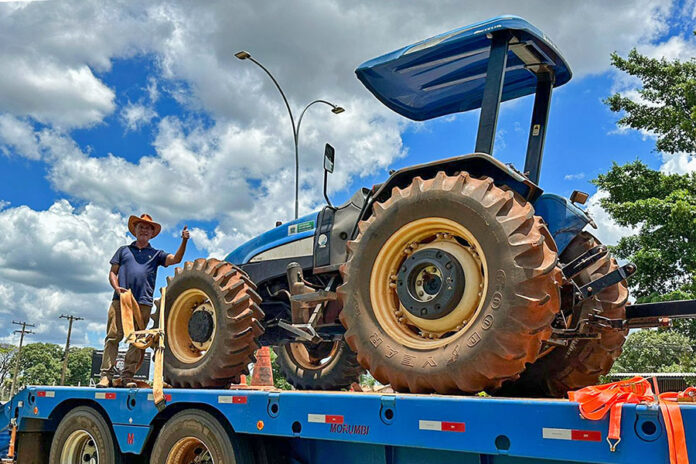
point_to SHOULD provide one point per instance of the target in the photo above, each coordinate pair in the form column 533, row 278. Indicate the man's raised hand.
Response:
column 185, row 233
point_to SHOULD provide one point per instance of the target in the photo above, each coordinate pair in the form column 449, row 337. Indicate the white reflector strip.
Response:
column 46, row 394
column 105, row 396
column 324, row 419
column 232, row 399
column 429, row 425
column 557, row 434
column 441, row 426
column 571, row 434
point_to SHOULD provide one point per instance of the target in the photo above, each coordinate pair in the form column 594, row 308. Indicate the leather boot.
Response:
column 104, row 382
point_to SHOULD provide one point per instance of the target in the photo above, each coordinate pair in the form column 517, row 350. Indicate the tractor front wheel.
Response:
column 450, row 286
column 320, row 366
column 212, row 324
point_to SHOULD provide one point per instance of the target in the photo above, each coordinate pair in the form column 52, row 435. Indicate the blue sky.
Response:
column 107, row 111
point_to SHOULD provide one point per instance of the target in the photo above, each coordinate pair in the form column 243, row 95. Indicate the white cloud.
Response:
column 17, row 136
column 135, row 115
column 679, row 163
column 577, row 176
column 608, row 231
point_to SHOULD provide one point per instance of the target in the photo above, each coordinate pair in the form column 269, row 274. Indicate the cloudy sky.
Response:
column 113, row 108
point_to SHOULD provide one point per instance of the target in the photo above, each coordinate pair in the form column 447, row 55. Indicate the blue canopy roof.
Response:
column 447, row 73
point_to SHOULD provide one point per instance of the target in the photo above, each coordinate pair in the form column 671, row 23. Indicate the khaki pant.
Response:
column 114, row 334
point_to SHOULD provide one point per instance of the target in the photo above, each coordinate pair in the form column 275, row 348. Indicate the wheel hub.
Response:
column 201, row 325
column 430, row 283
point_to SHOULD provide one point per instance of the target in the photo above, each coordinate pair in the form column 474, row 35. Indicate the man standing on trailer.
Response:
column 134, row 267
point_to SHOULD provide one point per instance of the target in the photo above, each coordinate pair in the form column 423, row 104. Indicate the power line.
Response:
column 70, row 319
column 23, row 331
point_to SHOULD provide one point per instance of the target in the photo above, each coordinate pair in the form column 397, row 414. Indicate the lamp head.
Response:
column 242, row 55
column 337, row 110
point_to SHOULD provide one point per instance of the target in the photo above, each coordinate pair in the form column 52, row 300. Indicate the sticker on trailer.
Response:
column 105, row 396
column 151, row 397
column 441, row 426
column 46, row 394
column 324, row 419
column 301, row 227
column 227, row 399
column 571, row 434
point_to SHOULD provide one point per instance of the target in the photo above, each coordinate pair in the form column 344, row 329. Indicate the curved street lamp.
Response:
column 335, row 109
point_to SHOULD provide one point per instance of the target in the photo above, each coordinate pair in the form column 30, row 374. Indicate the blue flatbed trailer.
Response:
column 346, row 427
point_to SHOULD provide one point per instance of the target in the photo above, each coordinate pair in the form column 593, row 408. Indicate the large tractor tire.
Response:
column 582, row 362
column 322, row 366
column 212, row 324
column 451, row 285
column 83, row 436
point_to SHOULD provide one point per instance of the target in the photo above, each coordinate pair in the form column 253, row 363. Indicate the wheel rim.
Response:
column 313, row 358
column 190, row 450
column 80, row 448
column 186, row 340
column 423, row 234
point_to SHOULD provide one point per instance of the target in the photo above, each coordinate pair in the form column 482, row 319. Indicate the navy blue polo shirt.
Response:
column 138, row 270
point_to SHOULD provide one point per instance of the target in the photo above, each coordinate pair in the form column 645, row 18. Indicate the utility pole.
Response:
column 19, row 352
column 70, row 319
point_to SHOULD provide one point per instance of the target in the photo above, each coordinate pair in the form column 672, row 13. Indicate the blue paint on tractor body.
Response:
column 280, row 235
column 564, row 219
column 447, row 73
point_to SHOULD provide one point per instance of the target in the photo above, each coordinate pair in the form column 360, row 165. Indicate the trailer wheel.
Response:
column 213, row 322
column 451, row 285
column 84, row 437
column 582, row 362
column 196, row 436
column 323, row 366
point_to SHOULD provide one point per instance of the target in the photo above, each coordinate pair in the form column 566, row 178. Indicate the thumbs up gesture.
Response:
column 185, row 233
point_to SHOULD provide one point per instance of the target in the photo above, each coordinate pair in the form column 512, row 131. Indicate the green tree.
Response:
column 7, row 362
column 278, row 379
column 667, row 103
column 656, row 351
column 662, row 209
column 79, row 366
column 40, row 364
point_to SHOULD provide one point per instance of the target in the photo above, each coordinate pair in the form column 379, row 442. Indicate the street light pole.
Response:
column 242, row 55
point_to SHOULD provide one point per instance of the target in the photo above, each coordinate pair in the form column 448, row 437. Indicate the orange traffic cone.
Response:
column 262, row 375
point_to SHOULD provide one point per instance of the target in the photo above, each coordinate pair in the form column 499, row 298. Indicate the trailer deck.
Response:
column 348, row 427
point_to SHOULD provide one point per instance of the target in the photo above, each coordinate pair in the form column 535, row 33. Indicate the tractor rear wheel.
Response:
column 451, row 285
column 582, row 362
column 322, row 366
column 212, row 324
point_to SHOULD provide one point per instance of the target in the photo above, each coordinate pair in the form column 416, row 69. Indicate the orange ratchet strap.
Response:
column 596, row 401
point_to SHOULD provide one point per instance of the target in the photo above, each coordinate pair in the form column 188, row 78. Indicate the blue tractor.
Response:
column 458, row 275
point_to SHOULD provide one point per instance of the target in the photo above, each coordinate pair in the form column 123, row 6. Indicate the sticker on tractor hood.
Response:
column 301, row 227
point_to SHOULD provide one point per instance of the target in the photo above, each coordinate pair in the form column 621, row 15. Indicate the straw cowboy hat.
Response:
column 134, row 220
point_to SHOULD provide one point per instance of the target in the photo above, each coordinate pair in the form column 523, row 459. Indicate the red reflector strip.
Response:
column 105, row 396
column 151, row 397
column 324, row 419
column 46, row 394
column 440, row 426
column 237, row 399
column 571, row 434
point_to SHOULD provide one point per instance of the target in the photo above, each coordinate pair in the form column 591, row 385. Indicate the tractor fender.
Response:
column 476, row 164
column 563, row 218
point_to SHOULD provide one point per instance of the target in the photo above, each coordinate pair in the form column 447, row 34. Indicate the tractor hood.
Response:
column 447, row 73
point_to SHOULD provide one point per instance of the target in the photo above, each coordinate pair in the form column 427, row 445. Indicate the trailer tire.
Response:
column 338, row 369
column 189, row 433
column 84, row 430
column 582, row 362
column 226, row 330
column 500, row 305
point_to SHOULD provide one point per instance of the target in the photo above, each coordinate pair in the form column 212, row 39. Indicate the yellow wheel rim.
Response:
column 310, row 360
column 80, row 447
column 406, row 328
column 188, row 450
column 179, row 340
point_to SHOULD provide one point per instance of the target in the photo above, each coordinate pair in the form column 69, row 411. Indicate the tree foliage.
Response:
column 40, row 364
column 662, row 208
column 667, row 103
column 656, row 351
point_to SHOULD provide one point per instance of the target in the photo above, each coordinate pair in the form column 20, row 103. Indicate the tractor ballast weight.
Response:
column 454, row 275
